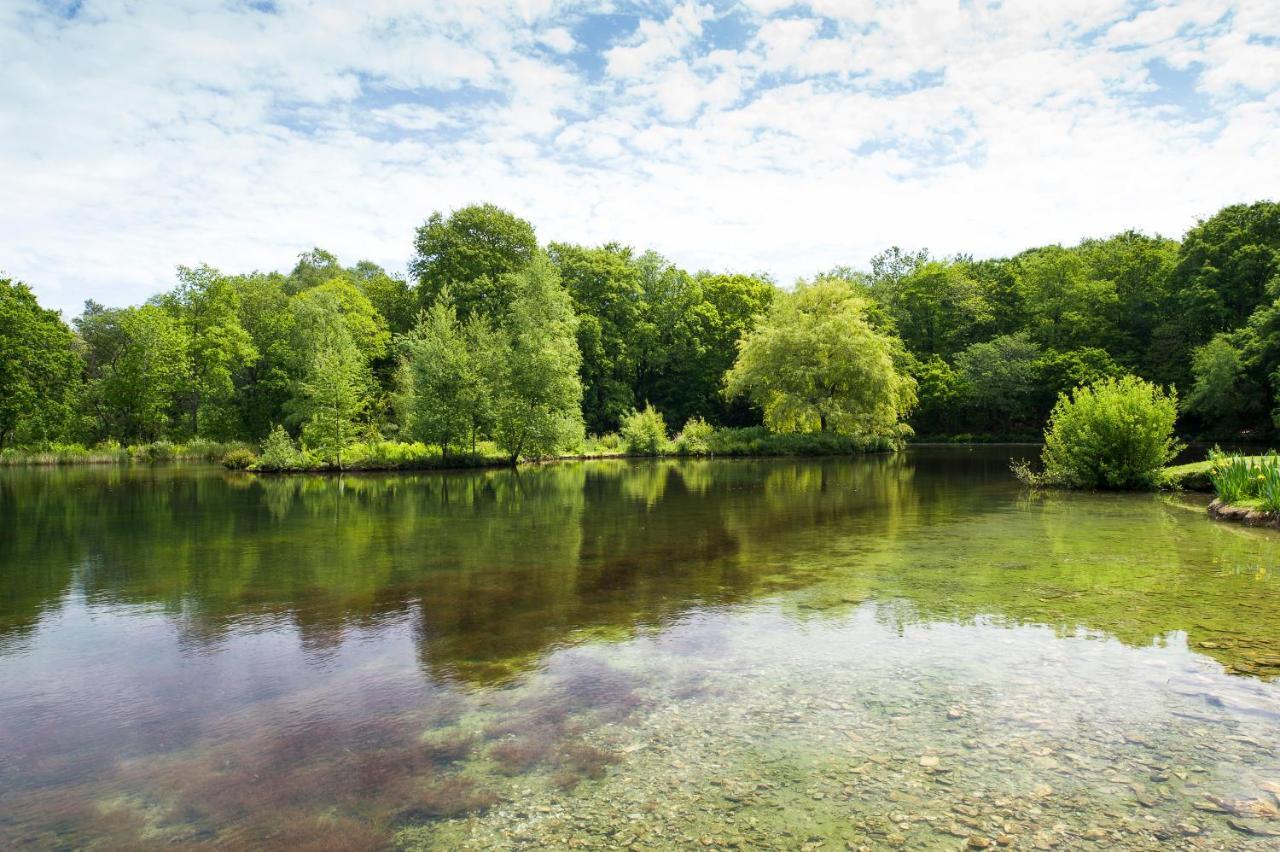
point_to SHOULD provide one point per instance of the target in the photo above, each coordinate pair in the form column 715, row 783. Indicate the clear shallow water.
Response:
column 871, row 652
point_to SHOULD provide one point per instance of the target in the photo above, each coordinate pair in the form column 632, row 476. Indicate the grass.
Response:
column 110, row 452
column 1194, row 476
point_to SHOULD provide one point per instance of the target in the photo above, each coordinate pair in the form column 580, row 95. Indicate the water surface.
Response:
column 904, row 650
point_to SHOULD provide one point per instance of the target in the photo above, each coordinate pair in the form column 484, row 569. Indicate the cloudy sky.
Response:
column 764, row 136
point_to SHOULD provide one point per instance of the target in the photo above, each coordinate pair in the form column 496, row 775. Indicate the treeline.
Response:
column 493, row 337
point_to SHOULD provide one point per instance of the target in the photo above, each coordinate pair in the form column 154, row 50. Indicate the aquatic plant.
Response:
column 1234, row 479
column 518, row 756
column 240, row 458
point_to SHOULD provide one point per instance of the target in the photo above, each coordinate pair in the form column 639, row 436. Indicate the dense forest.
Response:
column 493, row 336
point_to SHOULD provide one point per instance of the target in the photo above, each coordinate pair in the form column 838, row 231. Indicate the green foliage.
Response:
column 1115, row 433
column 239, row 458
column 138, row 366
column 1252, row 480
column 279, row 452
column 333, row 396
column 1221, row 394
column 695, row 438
column 446, row 394
column 759, row 441
column 537, row 392
column 474, row 254
column 39, row 370
column 814, row 363
column 644, row 432
column 612, row 330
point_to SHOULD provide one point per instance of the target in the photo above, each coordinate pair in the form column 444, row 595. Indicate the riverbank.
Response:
column 115, row 453
column 749, row 442
column 1250, row 513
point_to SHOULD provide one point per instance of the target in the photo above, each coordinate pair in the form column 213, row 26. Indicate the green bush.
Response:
column 644, row 432
column 695, row 438
column 239, row 458
column 1114, row 433
column 279, row 452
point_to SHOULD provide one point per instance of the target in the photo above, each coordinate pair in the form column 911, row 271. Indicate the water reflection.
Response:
column 192, row 656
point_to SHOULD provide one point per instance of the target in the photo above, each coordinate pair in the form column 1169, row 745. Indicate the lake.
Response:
column 901, row 650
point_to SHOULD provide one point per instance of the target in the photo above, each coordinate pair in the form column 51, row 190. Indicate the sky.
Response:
column 765, row 136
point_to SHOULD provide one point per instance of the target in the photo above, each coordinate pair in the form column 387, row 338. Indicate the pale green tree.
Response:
column 333, row 393
column 814, row 362
column 445, row 394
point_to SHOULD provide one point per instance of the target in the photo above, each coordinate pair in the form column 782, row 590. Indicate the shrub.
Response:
column 239, row 458
column 644, row 432
column 279, row 452
column 695, row 438
column 1115, row 433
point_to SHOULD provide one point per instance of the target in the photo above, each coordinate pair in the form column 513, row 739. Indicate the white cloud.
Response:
column 134, row 137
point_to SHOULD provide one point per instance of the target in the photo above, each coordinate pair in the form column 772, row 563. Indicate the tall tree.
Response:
column 605, row 286
column 472, row 252
column 40, row 369
column 816, row 363
column 333, row 394
column 445, row 392
column 538, row 394
column 207, row 305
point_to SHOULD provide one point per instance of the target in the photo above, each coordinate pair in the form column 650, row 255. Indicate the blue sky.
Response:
column 765, row 136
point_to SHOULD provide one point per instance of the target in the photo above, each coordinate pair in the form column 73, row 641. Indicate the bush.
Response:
column 239, row 458
column 1115, row 433
column 644, row 432
column 695, row 438
column 279, row 452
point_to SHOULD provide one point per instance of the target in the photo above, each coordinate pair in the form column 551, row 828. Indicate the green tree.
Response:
column 1067, row 308
column 390, row 295
column 1222, row 393
column 538, row 395
column 40, row 369
column 333, row 394
column 608, row 298
column 265, row 385
column 999, row 379
column 208, row 307
column 446, row 396
column 138, row 368
column 473, row 253
column 938, row 309
column 815, row 362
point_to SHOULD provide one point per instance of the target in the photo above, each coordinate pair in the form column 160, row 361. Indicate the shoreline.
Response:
column 1226, row 512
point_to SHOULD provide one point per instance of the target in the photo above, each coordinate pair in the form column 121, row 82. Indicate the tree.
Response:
column 605, row 286
column 473, row 253
column 538, row 395
column 445, row 390
column 138, row 368
column 938, row 309
column 390, row 295
column 698, row 324
column 1222, row 392
column 1000, row 378
column 1067, row 308
column 208, row 307
column 815, row 361
column 333, row 393
column 40, row 369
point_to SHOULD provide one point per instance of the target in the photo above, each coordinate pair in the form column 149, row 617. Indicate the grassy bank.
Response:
column 400, row 455
column 113, row 453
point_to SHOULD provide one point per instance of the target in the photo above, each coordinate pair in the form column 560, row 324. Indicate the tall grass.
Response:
column 1237, row 480
column 111, row 452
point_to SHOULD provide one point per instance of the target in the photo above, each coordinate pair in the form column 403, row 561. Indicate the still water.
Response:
column 889, row 651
